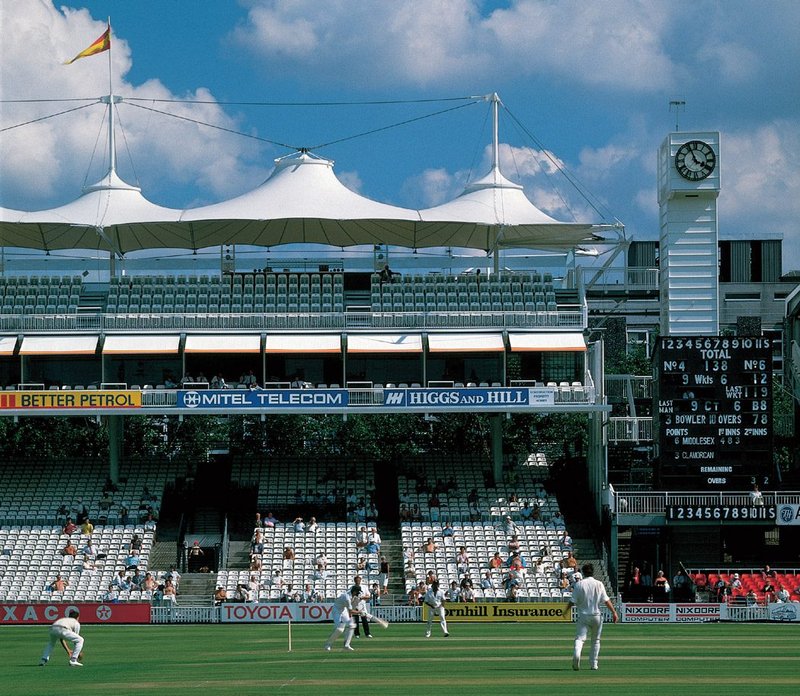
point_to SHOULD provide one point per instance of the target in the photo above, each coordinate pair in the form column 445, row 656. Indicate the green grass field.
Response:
column 475, row 659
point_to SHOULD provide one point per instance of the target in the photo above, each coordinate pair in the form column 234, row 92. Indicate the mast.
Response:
column 495, row 132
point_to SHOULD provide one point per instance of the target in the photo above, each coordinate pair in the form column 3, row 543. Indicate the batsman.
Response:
column 66, row 630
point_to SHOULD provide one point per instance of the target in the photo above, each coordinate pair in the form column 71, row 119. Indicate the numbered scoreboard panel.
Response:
column 713, row 411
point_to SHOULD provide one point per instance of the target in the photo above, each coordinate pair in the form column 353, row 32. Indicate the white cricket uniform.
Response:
column 69, row 629
column 435, row 602
column 342, row 606
column 588, row 596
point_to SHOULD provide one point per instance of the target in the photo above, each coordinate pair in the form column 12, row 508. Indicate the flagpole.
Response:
column 112, row 146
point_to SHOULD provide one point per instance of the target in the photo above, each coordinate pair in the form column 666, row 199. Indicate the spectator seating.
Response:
column 279, row 479
column 30, row 559
column 240, row 293
column 751, row 579
column 32, row 492
column 40, row 294
column 481, row 541
column 502, row 293
column 335, row 539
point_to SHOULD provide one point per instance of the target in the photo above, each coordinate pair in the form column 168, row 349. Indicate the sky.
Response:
column 586, row 85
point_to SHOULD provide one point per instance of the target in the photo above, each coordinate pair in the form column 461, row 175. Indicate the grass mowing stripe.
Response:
column 476, row 659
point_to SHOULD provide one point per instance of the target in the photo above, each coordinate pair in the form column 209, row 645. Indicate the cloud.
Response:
column 47, row 162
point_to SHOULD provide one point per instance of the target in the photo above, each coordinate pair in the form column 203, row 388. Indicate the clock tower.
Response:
column 688, row 187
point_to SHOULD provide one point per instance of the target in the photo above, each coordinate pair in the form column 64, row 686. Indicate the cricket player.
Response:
column 588, row 596
column 434, row 598
column 344, row 607
column 65, row 629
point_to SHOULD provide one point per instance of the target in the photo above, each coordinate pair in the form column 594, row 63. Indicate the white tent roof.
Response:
column 302, row 202
column 494, row 211
column 110, row 215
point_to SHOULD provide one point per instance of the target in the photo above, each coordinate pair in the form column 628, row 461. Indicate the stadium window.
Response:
column 636, row 340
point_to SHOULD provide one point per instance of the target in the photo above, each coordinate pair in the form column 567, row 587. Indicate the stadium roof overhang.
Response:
column 301, row 202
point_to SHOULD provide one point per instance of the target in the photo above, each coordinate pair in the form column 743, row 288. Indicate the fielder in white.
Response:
column 434, row 598
column 588, row 595
column 344, row 607
column 66, row 629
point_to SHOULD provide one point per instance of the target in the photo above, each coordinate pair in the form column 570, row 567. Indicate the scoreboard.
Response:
column 713, row 411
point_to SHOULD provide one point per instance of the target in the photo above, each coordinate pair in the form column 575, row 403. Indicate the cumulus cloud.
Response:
column 51, row 159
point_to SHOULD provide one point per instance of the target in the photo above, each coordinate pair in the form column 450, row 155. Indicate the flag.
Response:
column 100, row 45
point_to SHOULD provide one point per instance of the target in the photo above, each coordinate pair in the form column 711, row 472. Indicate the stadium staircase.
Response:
column 196, row 589
column 392, row 548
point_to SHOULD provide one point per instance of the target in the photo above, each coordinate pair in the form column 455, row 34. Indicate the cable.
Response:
column 394, row 125
column 342, row 103
column 44, row 118
column 211, row 125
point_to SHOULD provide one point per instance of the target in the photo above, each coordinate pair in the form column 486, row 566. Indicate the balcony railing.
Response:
column 621, row 278
column 630, row 429
column 574, row 318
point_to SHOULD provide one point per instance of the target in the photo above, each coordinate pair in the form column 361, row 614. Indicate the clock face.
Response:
column 695, row 160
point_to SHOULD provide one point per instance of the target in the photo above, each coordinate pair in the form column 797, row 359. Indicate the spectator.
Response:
column 526, row 512
column 106, row 502
column 59, row 585
column 201, row 378
column 429, row 546
column 410, row 570
column 660, row 587
column 170, row 592
column 269, row 520
column 111, row 595
column 486, row 582
column 558, row 521
column 769, row 590
column 383, row 575
column 447, row 530
column 312, row 526
column 218, row 382
column 174, row 576
column 571, row 562
column 310, row 594
column 467, row 594
column 81, row 511
column 361, row 538
column 87, row 527
column 513, row 544
column 137, row 580
column 756, row 497
column 88, row 564
column 566, row 541
column 453, row 592
column 276, row 581
column 298, row 525
column 386, row 274
column 408, row 554
column 220, row 595
column 257, row 542
column 150, row 523
column 767, row 572
column 69, row 550
column 69, row 527
column 375, row 595
column 751, row 599
column 258, row 523
column 121, row 582
column 430, row 577
column 255, row 561
column 681, row 587
column 782, row 595
column 405, row 513
column 194, row 557
column 721, row 589
column 248, row 380
column 736, row 583
column 373, row 542
column 288, row 557
column 508, row 525
column 132, row 560
column 187, row 379
column 149, row 584
column 322, row 560
column 462, row 560
column 414, row 597
column 136, row 543
column 496, row 561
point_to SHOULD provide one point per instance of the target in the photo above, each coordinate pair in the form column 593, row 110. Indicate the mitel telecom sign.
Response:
column 263, row 398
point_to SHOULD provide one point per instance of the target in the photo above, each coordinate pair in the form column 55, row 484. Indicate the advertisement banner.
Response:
column 788, row 515
column 504, row 611
column 784, row 611
column 277, row 612
column 89, row 398
column 696, row 613
column 91, row 613
column 263, row 398
column 646, row 613
column 471, row 397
